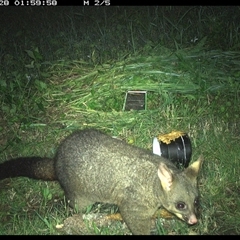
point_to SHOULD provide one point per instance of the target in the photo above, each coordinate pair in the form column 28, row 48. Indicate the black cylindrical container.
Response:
column 177, row 147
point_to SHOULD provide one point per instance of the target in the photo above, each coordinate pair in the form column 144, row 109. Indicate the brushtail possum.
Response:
column 94, row 167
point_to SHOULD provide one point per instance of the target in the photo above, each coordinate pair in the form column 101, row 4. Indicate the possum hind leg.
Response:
column 77, row 202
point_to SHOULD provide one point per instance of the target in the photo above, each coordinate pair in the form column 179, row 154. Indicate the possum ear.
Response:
column 156, row 147
column 166, row 177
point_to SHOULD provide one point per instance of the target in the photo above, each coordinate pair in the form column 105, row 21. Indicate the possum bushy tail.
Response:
column 32, row 167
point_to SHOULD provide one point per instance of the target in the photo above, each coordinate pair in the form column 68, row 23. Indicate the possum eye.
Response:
column 196, row 202
column 181, row 205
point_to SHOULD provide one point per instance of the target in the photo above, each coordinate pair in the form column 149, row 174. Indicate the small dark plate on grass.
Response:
column 135, row 100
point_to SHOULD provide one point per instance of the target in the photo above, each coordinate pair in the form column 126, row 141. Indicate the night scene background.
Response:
column 69, row 67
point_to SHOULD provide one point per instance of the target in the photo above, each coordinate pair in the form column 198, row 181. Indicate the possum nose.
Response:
column 192, row 220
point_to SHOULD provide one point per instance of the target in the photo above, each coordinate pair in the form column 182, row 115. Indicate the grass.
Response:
column 53, row 84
